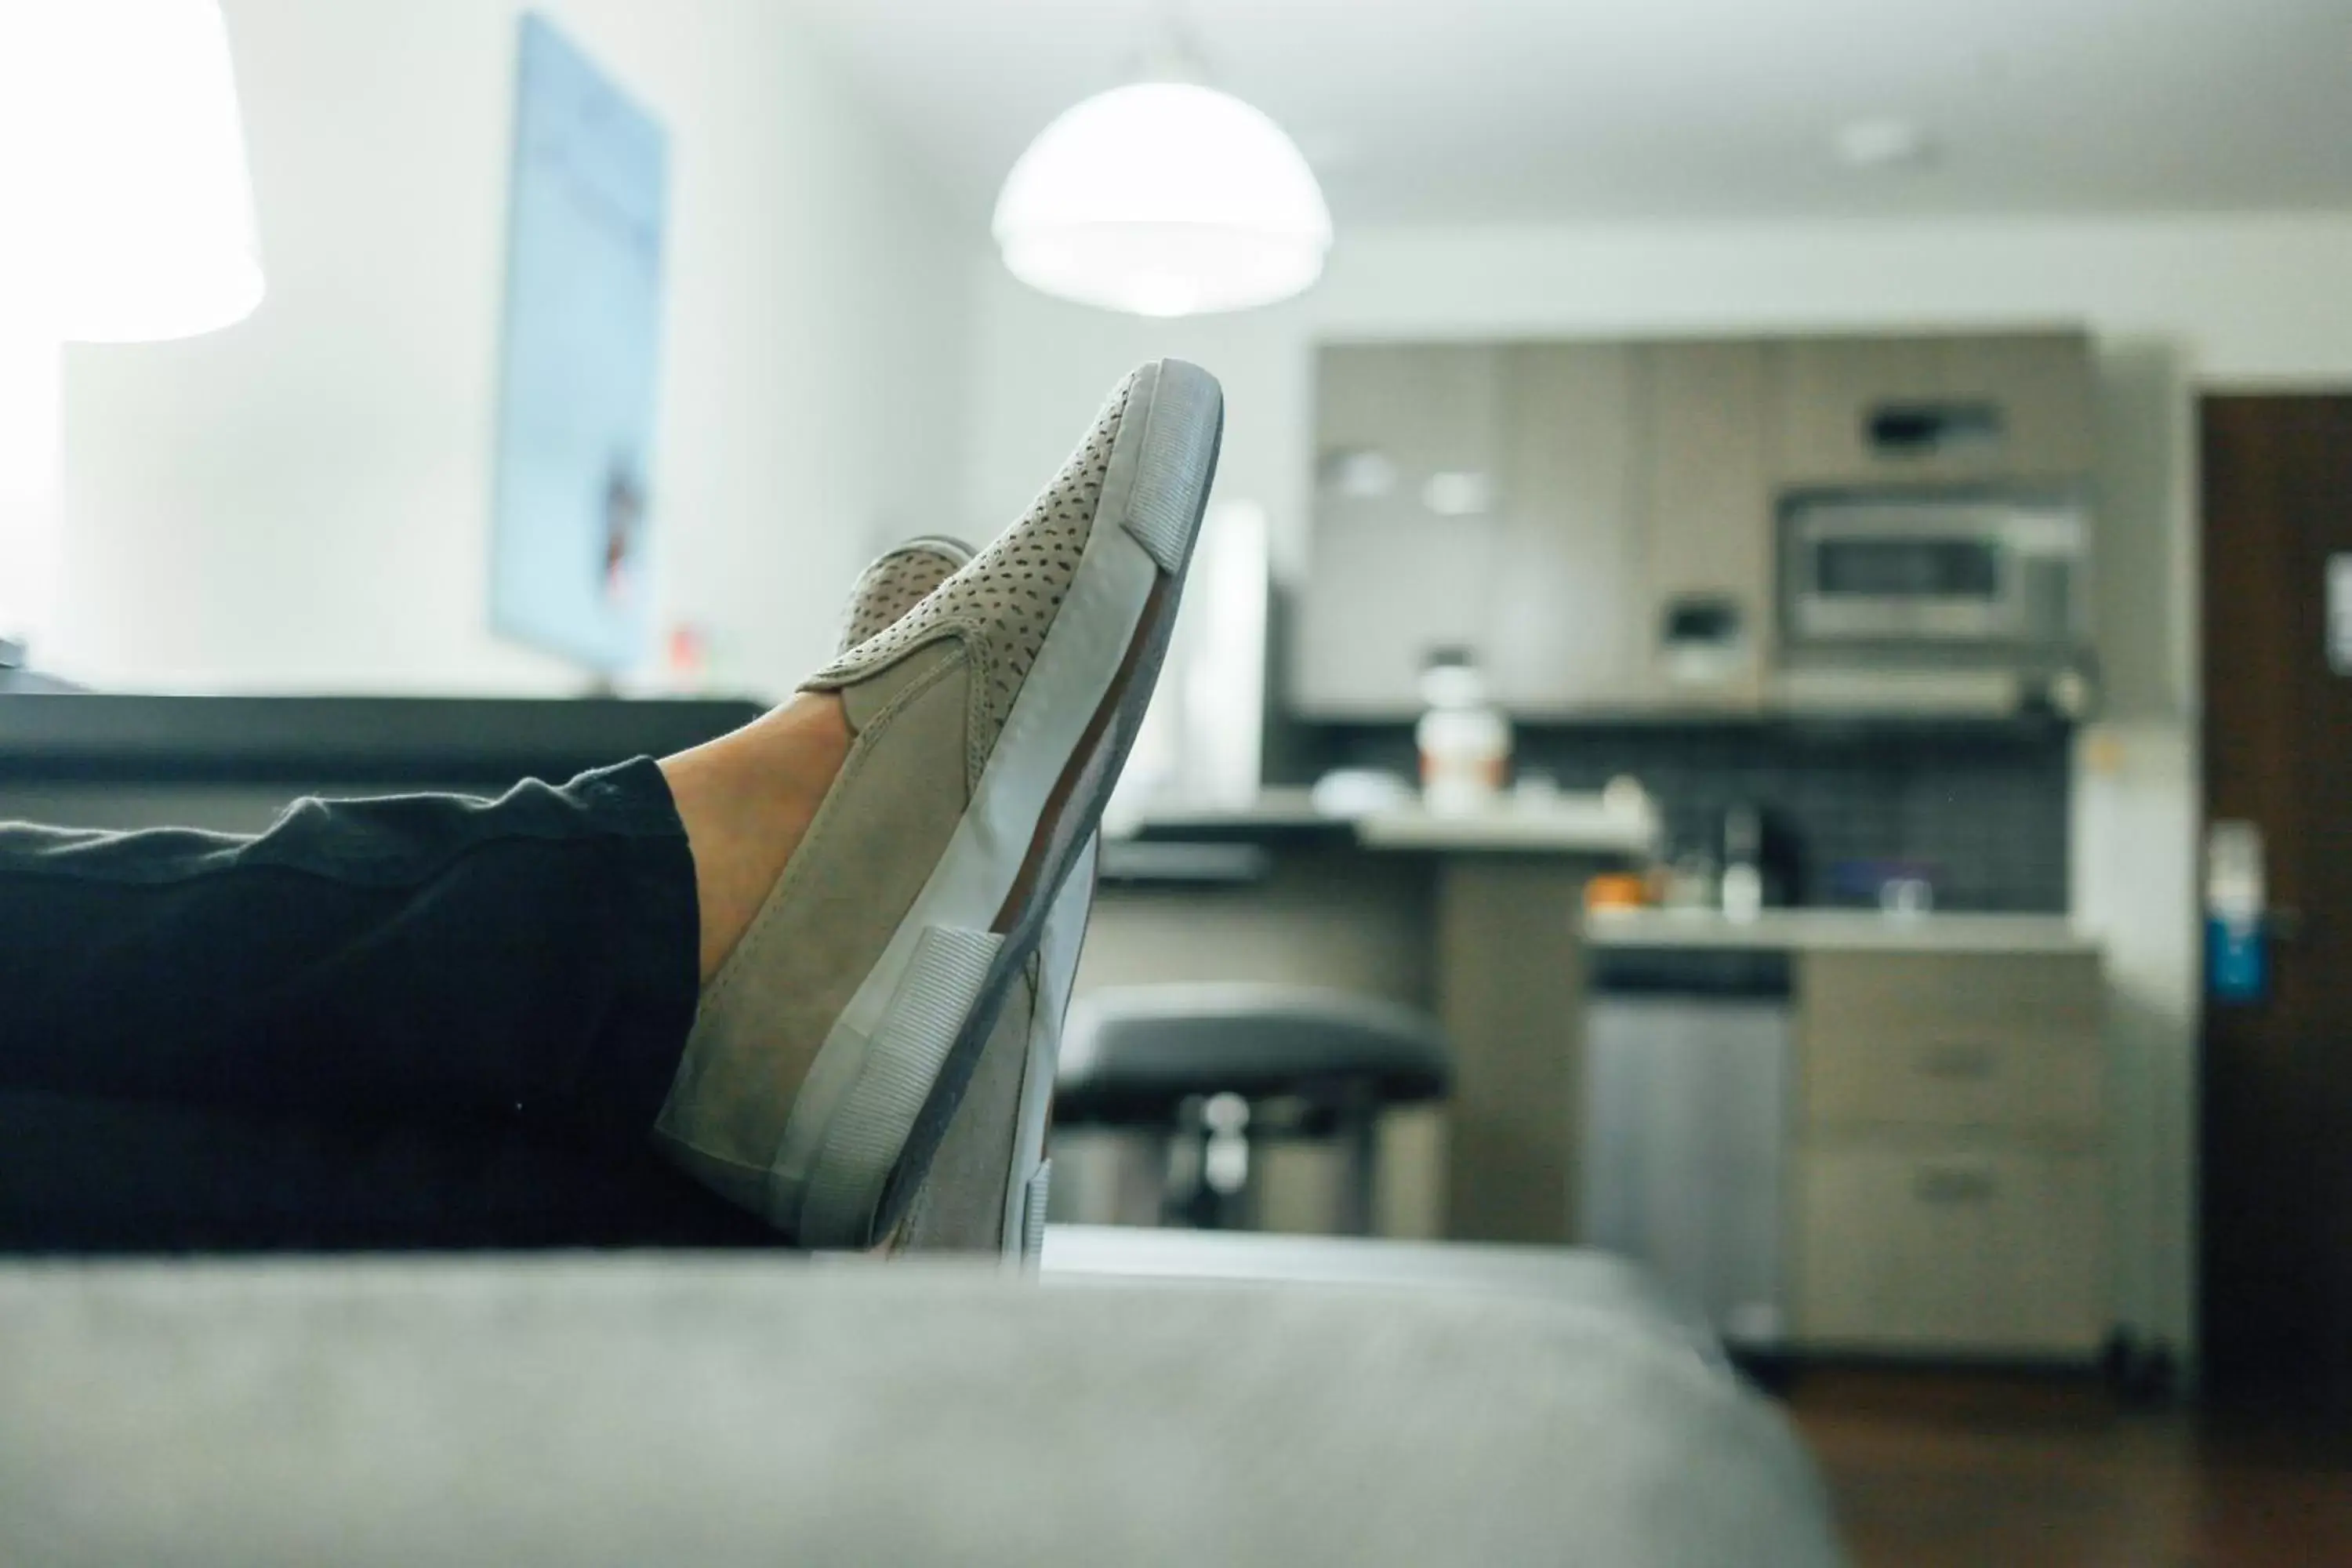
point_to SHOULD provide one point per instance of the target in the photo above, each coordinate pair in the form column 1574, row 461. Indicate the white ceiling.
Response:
column 1427, row 111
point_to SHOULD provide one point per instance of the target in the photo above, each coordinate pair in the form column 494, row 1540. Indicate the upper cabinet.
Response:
column 1596, row 524
column 1561, row 632
column 1477, row 502
column 2011, row 408
column 1704, row 591
column 1407, row 529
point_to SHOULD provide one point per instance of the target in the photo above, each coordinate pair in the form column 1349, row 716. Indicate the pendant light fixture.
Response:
column 122, row 171
column 126, row 216
column 1164, row 197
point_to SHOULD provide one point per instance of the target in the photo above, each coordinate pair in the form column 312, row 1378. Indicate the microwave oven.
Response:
column 1978, row 580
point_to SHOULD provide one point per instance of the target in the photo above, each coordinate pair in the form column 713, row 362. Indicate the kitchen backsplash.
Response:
column 1980, row 809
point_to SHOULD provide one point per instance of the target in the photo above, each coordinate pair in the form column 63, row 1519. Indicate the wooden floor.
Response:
column 1963, row 1471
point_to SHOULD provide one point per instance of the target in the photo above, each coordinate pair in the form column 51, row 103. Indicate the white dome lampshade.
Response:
column 1163, row 199
column 122, row 171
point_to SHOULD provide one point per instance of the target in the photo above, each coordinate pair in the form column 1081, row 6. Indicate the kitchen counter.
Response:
column 1817, row 931
column 1481, row 922
column 1472, row 918
column 1564, row 824
column 1579, row 826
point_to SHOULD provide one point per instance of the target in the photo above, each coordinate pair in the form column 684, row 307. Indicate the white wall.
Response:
column 300, row 502
column 28, row 479
column 2177, row 303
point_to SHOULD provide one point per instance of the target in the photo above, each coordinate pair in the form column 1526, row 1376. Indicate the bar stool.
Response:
column 1211, row 1067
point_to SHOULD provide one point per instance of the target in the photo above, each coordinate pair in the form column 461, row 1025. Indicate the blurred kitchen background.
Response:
column 1707, row 612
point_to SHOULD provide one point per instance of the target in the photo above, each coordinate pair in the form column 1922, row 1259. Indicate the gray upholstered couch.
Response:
column 1340, row 1406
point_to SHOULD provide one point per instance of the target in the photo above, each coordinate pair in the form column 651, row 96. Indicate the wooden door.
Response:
column 2276, row 1270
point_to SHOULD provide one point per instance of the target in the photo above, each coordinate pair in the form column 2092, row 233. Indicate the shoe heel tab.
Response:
column 1179, row 459
column 1184, row 373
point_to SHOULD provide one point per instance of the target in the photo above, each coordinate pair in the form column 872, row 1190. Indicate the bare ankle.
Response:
column 747, row 800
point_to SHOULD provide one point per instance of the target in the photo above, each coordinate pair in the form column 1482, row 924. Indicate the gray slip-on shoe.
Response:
column 895, row 582
column 986, row 1189
column 832, row 1048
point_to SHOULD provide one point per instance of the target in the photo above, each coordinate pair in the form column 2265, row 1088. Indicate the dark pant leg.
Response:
column 421, row 1022
column 528, row 961
column 97, row 1176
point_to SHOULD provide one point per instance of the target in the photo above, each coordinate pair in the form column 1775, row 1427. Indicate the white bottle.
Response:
column 1466, row 741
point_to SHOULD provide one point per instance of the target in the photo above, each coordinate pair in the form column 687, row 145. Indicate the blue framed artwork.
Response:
column 580, row 353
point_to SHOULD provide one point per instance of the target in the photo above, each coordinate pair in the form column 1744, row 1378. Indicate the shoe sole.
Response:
column 1029, row 1181
column 878, row 1096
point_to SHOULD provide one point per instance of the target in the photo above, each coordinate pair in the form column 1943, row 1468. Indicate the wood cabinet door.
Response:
column 1708, row 566
column 1934, row 410
column 1560, row 615
column 1405, row 542
column 2052, row 1262
column 2043, row 383
column 1999, row 1081
column 1965, row 1250
column 2005, row 1043
column 1895, row 1251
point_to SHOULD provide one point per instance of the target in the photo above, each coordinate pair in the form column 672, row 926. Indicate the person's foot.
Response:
column 965, row 752
column 987, row 1186
column 746, row 799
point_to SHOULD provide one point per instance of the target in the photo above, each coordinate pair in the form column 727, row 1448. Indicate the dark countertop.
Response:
column 1234, row 844
column 1554, row 825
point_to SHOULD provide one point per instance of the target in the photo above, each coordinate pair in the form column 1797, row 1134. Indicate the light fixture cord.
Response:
column 1170, row 50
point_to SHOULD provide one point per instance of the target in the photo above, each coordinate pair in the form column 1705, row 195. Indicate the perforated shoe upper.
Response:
column 896, row 583
column 1002, row 603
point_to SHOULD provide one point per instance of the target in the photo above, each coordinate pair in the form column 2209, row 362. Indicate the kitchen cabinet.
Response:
column 1947, row 1187
column 1706, row 623
column 1597, row 524
column 1953, row 1041
column 1562, row 629
column 2008, row 408
column 1407, row 536
column 1967, row 1251
column 1477, row 500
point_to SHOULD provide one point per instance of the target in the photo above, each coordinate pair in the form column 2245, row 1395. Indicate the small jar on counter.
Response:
column 1464, row 739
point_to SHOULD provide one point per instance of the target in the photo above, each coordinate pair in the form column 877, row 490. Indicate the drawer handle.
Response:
column 1952, row 1186
column 1959, row 1061
column 1934, row 429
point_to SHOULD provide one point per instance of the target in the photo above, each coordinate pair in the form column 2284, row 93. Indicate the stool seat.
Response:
column 1137, row 1053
